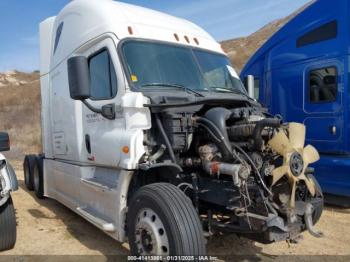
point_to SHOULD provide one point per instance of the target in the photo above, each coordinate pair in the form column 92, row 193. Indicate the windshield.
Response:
column 170, row 66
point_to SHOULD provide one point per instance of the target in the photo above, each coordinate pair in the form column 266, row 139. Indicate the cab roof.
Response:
column 83, row 20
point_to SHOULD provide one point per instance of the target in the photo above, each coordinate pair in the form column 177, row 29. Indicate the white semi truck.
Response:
column 149, row 134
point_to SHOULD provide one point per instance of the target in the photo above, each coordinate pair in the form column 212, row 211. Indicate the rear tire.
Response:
column 162, row 221
column 38, row 178
column 28, row 168
column 8, row 231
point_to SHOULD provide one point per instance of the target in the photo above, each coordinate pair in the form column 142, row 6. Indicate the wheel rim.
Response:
column 36, row 178
column 151, row 237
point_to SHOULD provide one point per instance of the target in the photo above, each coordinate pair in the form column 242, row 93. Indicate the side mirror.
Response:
column 80, row 88
column 79, row 78
column 4, row 142
column 249, row 83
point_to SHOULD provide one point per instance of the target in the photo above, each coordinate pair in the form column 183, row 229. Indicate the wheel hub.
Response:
column 151, row 238
column 146, row 241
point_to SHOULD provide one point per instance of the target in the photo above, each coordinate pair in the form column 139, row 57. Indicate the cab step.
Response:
column 99, row 184
column 97, row 221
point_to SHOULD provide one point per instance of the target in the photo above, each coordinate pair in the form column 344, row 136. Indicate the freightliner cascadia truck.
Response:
column 302, row 73
column 149, row 134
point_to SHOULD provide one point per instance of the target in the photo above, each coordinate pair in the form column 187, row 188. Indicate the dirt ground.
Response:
column 48, row 229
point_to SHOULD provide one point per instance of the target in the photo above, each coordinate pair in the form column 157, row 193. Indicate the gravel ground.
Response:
column 48, row 229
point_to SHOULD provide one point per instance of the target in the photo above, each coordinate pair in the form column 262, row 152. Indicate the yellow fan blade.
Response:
column 292, row 195
column 278, row 173
column 310, row 155
column 280, row 144
column 297, row 134
column 309, row 184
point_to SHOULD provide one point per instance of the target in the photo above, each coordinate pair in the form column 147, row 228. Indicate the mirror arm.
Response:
column 93, row 109
column 107, row 111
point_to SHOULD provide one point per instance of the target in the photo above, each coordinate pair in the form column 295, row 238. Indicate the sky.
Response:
column 224, row 19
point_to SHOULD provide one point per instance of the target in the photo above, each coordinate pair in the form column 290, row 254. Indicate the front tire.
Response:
column 8, row 231
column 162, row 221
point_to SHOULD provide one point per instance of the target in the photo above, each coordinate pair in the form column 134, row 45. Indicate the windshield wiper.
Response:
column 226, row 90
column 222, row 89
column 188, row 90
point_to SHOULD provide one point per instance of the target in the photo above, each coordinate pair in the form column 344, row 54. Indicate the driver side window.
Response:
column 323, row 86
column 102, row 76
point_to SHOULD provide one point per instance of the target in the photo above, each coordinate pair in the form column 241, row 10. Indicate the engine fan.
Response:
column 296, row 158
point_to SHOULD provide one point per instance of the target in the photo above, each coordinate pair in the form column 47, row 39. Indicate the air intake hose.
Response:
column 259, row 127
column 219, row 116
column 215, row 122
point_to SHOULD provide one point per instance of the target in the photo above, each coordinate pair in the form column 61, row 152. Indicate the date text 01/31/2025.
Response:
column 172, row 258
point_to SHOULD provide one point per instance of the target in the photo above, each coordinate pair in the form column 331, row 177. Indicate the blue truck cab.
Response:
column 302, row 73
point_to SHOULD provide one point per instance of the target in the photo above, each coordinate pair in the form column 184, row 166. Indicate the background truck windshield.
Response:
column 169, row 66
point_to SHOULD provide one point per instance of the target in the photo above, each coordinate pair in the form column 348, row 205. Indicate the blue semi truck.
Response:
column 302, row 73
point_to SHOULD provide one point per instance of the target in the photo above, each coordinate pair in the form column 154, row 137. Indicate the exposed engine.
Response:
column 245, row 172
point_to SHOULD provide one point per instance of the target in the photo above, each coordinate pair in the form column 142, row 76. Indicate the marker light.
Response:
column 196, row 40
column 176, row 37
column 126, row 150
column 130, row 30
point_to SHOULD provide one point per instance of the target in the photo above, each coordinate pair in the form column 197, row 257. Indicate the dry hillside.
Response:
column 20, row 92
column 20, row 112
column 241, row 49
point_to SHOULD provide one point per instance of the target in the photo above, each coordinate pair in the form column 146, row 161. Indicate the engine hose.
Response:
column 268, row 122
column 309, row 223
column 225, row 149
column 228, row 149
column 210, row 133
column 166, row 138
column 254, row 166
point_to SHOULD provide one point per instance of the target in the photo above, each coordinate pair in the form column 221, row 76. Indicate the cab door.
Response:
column 100, row 136
column 323, row 106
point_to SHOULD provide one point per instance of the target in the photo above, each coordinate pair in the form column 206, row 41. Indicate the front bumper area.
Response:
column 274, row 228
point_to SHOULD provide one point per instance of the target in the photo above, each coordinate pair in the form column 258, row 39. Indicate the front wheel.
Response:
column 162, row 221
column 7, row 226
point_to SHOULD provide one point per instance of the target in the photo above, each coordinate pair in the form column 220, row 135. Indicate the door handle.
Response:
column 88, row 143
column 333, row 130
